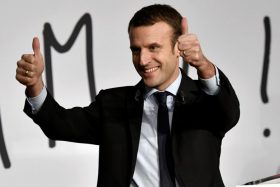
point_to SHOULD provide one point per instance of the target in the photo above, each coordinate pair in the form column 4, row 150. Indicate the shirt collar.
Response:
column 172, row 88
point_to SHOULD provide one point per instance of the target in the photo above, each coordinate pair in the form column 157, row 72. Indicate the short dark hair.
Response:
column 152, row 14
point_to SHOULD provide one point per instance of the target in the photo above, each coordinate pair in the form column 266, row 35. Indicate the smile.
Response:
column 151, row 70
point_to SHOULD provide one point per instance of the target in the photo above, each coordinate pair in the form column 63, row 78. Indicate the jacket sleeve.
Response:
column 227, row 103
column 76, row 124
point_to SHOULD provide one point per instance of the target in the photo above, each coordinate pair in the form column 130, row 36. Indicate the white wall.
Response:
column 231, row 34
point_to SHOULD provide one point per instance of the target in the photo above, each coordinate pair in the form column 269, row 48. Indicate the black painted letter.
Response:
column 50, row 41
column 3, row 150
column 266, row 60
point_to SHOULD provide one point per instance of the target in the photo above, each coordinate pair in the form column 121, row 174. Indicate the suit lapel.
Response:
column 187, row 92
column 134, row 106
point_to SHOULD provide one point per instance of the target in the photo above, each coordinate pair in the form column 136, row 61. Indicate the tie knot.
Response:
column 161, row 97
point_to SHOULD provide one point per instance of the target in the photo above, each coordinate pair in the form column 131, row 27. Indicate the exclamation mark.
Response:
column 264, row 96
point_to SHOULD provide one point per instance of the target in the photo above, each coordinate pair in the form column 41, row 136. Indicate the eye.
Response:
column 154, row 47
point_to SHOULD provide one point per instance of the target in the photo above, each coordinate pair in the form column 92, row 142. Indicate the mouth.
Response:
column 150, row 70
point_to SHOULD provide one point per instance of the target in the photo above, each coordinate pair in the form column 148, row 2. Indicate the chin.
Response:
column 151, row 84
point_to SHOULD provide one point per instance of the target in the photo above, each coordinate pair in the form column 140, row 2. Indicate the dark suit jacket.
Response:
column 113, row 121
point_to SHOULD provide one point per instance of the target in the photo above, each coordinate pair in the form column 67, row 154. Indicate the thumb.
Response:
column 184, row 25
column 36, row 46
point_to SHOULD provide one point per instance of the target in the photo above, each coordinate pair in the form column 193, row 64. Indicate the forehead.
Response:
column 158, row 32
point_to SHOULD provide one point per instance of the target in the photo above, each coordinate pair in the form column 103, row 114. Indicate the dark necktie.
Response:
column 166, row 166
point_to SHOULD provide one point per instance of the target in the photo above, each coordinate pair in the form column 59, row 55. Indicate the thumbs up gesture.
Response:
column 30, row 68
column 190, row 50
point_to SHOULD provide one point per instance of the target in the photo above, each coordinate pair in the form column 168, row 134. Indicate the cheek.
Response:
column 172, row 60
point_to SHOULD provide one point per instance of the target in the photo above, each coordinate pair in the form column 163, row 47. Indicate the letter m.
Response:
column 50, row 41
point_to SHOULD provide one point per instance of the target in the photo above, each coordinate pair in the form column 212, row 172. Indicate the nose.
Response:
column 144, row 58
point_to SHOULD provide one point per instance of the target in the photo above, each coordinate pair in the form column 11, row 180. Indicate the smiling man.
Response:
column 167, row 130
column 154, row 56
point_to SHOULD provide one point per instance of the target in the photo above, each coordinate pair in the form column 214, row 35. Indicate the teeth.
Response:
column 151, row 70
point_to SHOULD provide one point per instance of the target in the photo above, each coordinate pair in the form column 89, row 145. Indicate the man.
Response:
column 126, row 122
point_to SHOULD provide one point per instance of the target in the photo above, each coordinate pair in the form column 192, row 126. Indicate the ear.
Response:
column 176, row 50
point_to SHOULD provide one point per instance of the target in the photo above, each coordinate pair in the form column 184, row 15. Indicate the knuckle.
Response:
column 20, row 79
column 19, row 63
column 17, row 71
column 28, row 58
column 25, row 57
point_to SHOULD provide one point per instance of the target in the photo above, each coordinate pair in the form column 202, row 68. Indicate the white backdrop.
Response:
column 232, row 36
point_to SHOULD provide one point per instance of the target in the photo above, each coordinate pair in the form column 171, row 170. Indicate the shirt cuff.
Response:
column 37, row 102
column 211, row 86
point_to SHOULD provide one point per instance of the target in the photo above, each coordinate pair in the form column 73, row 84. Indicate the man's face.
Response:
column 154, row 57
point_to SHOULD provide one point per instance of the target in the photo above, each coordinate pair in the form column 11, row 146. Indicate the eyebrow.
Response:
column 149, row 45
column 155, row 44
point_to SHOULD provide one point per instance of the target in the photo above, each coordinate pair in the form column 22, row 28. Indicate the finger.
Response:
column 23, row 72
column 28, row 58
column 36, row 46
column 188, row 42
column 26, row 65
column 23, row 79
column 184, row 25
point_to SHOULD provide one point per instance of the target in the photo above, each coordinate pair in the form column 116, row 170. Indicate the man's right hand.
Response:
column 29, row 70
